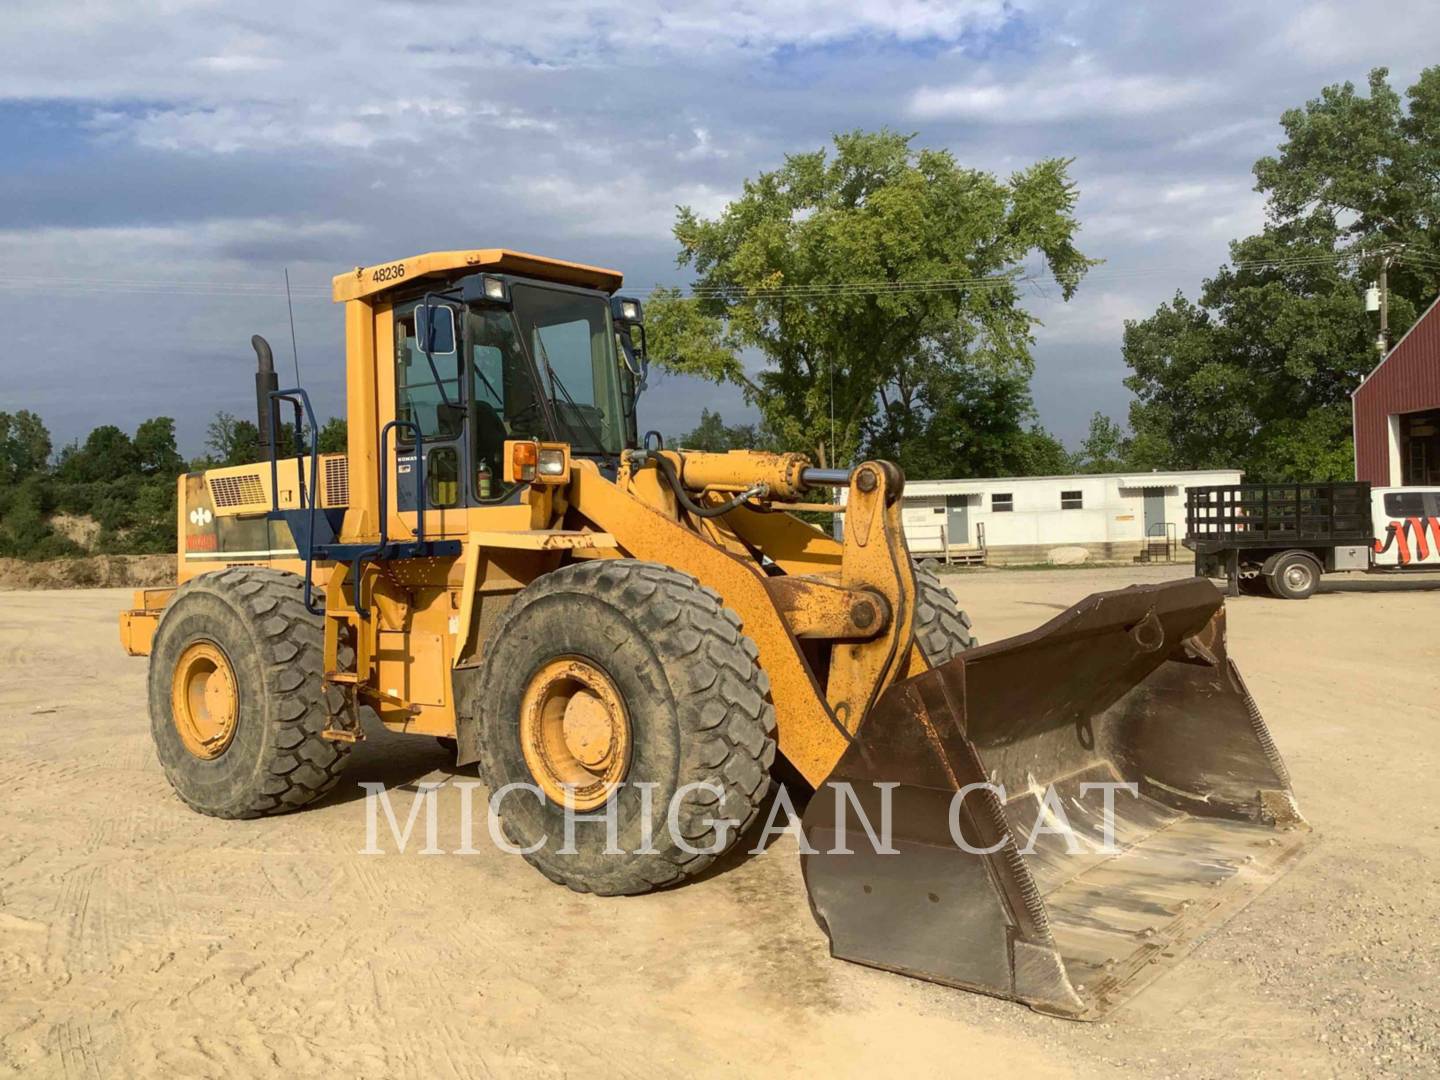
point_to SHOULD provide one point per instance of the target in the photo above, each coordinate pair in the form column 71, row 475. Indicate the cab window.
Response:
column 427, row 390
column 1404, row 504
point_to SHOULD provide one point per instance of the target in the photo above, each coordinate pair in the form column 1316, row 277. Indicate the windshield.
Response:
column 575, row 376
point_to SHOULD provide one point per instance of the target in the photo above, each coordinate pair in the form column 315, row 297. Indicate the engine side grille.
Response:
column 337, row 481
column 242, row 490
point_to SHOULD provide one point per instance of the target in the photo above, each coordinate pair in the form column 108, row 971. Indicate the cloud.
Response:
column 190, row 141
column 1399, row 34
column 1083, row 88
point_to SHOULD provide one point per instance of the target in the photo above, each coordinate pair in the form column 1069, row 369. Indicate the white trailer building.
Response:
column 1028, row 519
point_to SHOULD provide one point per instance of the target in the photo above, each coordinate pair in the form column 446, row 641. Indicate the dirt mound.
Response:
column 77, row 528
column 90, row 572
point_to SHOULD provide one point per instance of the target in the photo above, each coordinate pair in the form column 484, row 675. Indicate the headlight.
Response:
column 626, row 310
column 495, row 289
column 531, row 462
column 552, row 462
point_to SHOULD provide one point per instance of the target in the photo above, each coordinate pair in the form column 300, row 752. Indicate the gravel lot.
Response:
column 137, row 938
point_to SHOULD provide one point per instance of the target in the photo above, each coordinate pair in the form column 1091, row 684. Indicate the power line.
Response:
column 811, row 290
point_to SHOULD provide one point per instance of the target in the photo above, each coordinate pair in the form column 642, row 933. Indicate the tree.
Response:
column 1258, row 371
column 155, row 448
column 233, row 441
column 713, row 434
column 827, row 270
column 1369, row 168
column 966, row 421
column 107, row 454
column 334, row 436
column 1106, row 448
column 24, row 445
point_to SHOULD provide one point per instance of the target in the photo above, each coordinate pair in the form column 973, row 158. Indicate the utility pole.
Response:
column 1383, row 341
column 1387, row 256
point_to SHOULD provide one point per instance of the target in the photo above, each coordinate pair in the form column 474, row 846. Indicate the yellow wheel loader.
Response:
column 502, row 562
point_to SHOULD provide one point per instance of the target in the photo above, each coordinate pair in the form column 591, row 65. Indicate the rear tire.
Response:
column 941, row 629
column 1295, row 576
column 695, row 708
column 275, row 758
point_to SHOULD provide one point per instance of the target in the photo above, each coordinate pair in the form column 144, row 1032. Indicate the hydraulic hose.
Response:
column 672, row 478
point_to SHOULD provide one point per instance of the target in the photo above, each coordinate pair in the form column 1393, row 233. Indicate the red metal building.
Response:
column 1397, row 411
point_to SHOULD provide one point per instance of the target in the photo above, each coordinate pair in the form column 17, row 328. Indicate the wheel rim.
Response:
column 204, row 700
column 1297, row 577
column 574, row 732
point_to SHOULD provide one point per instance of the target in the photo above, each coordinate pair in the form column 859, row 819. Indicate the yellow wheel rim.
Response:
column 574, row 732
column 204, row 702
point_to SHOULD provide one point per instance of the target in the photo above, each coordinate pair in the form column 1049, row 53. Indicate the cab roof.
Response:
column 369, row 281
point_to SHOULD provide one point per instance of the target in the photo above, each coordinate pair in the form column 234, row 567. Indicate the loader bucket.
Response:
column 1013, row 890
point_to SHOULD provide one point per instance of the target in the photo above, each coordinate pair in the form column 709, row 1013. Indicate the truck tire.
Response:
column 237, row 696
column 941, row 629
column 606, row 675
column 1294, row 576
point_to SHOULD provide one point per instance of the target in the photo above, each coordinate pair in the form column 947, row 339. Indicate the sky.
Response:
column 165, row 164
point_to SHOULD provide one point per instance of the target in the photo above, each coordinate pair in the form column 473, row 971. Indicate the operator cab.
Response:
column 492, row 357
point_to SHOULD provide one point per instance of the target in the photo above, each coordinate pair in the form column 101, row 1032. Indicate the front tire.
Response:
column 606, row 675
column 237, row 695
column 941, row 629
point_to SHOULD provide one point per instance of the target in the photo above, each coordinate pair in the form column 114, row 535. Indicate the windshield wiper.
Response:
column 557, row 383
column 542, row 400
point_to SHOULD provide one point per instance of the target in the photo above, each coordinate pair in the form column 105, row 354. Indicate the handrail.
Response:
column 1165, row 532
column 420, row 493
column 309, row 493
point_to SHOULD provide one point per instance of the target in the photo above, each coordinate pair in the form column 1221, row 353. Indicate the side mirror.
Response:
column 435, row 329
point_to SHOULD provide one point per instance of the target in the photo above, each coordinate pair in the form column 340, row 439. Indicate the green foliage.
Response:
column 776, row 275
column 232, row 441
column 1257, row 372
column 965, row 420
column 1106, row 449
column 1367, row 165
column 155, row 448
column 713, row 434
column 126, row 485
column 333, row 436
column 24, row 445
column 107, row 454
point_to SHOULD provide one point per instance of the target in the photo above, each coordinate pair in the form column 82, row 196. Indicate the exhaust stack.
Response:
column 267, row 411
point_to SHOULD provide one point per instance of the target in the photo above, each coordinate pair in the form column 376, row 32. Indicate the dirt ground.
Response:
column 137, row 938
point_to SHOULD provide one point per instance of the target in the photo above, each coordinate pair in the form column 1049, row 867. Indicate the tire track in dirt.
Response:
column 77, row 1051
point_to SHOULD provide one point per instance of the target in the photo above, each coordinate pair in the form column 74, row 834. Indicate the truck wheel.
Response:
column 942, row 630
column 1294, row 576
column 237, row 696
column 622, row 687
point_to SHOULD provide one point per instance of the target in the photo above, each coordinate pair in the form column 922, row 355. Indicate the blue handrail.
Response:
column 296, row 396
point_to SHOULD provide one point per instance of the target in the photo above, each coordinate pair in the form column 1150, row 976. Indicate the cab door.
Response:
column 1407, row 527
column 430, row 394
